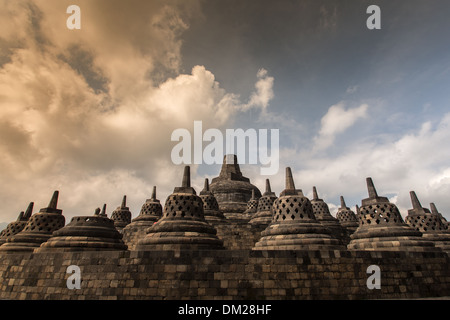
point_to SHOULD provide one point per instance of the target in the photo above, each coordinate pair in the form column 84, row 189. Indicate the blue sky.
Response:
column 90, row 112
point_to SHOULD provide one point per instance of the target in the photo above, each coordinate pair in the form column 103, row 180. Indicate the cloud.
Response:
column 91, row 113
column 398, row 164
column 335, row 121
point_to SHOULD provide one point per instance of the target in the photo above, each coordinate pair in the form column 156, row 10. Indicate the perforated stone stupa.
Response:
column 430, row 224
column 38, row 229
column 434, row 210
column 322, row 213
column 264, row 213
column 122, row 215
column 294, row 226
column 183, row 225
column 211, row 209
column 151, row 211
column 85, row 233
column 231, row 189
column 347, row 217
column 252, row 205
column 382, row 227
column 15, row 227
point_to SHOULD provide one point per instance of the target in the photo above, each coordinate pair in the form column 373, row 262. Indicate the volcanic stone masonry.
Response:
column 347, row 218
column 430, row 224
column 183, row 225
column 323, row 215
column 210, row 206
column 16, row 226
column 151, row 211
column 85, row 233
column 38, row 229
column 294, row 226
column 382, row 227
column 264, row 213
column 178, row 253
column 231, row 189
column 252, row 205
column 122, row 215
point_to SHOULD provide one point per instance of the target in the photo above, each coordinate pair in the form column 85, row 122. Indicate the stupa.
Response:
column 382, row 227
column 430, row 224
column 434, row 210
column 183, row 225
column 322, row 213
column 294, row 226
column 38, row 229
column 16, row 226
column 264, row 213
column 151, row 211
column 347, row 217
column 210, row 206
column 231, row 189
column 85, row 233
column 122, row 215
column 252, row 205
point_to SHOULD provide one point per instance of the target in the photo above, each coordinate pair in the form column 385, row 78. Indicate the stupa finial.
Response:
column 103, row 213
column 268, row 186
column 186, row 183
column 343, row 205
column 153, row 193
column 289, row 179
column 415, row 201
column 29, row 211
column 371, row 188
column 53, row 204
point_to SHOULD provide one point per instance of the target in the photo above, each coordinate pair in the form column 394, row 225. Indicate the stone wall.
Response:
column 224, row 274
column 236, row 233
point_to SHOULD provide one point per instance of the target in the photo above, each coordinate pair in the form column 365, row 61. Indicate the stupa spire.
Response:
column 29, row 211
column 315, row 195
column 103, row 213
column 268, row 189
column 415, row 201
column 343, row 205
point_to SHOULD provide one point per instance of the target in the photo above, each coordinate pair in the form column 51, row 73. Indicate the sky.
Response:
column 90, row 111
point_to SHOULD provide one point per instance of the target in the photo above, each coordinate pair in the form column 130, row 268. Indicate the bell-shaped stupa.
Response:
column 183, row 225
column 122, row 215
column 38, row 229
column 231, row 189
column 16, row 226
column 252, row 205
column 444, row 221
column 151, row 211
column 264, row 213
column 211, row 209
column 430, row 224
column 322, row 213
column 85, row 233
column 294, row 226
column 347, row 218
column 382, row 227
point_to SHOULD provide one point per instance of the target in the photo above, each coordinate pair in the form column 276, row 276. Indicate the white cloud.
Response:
column 335, row 121
column 415, row 161
column 58, row 132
